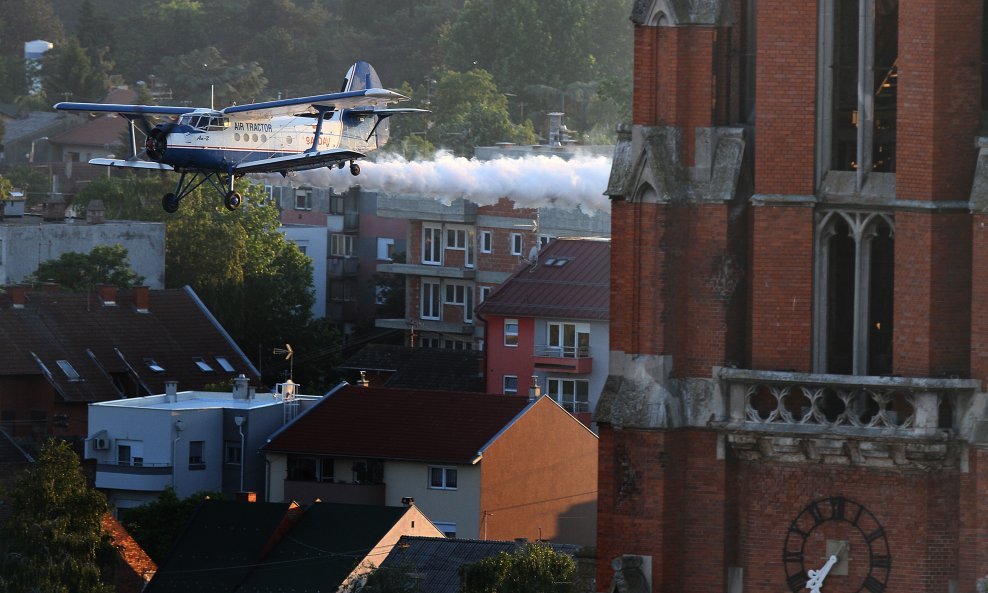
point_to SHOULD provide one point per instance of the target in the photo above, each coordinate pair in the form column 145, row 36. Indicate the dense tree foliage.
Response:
column 53, row 541
column 70, row 72
column 81, row 272
column 157, row 524
column 535, row 568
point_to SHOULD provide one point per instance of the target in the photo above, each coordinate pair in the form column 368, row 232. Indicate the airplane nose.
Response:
column 157, row 143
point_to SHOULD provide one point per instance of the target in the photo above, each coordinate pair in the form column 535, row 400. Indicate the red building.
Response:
column 797, row 362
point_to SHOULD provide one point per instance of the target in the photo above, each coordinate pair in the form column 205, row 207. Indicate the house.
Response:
column 798, row 340
column 548, row 323
column 240, row 547
column 433, row 564
column 134, row 567
column 190, row 441
column 467, row 460
column 458, row 252
column 65, row 351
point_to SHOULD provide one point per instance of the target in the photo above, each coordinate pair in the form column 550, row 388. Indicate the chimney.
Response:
column 240, row 387
column 534, row 391
column 95, row 212
column 108, row 294
column 363, row 382
column 18, row 295
column 407, row 501
column 141, row 295
column 171, row 391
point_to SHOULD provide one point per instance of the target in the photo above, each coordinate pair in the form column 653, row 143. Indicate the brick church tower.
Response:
column 799, row 278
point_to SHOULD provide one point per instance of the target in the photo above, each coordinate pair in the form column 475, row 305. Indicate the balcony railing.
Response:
column 563, row 359
column 803, row 402
column 343, row 266
column 343, row 492
column 150, row 477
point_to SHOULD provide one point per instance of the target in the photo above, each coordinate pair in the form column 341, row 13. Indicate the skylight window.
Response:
column 203, row 365
column 224, row 364
column 154, row 366
column 69, row 370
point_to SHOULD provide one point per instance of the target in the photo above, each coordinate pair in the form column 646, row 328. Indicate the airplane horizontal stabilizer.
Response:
column 131, row 164
column 298, row 162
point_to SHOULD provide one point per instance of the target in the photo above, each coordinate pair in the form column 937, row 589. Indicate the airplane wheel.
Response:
column 169, row 203
column 232, row 200
column 354, row 169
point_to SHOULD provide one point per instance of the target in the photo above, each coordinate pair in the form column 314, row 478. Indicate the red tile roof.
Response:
column 100, row 341
column 570, row 279
column 399, row 424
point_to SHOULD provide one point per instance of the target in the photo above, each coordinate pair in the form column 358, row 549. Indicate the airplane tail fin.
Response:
column 362, row 76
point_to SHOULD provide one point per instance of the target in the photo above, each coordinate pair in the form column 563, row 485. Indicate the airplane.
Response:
column 205, row 145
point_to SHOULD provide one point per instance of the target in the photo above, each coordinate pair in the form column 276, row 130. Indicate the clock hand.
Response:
column 816, row 576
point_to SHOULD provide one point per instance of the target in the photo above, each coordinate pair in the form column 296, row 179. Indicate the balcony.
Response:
column 428, row 270
column 862, row 420
column 344, row 492
column 341, row 267
column 563, row 359
column 149, row 477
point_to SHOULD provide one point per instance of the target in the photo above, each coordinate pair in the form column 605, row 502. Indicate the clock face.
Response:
column 837, row 526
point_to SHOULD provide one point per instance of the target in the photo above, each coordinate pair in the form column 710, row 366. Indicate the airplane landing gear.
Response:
column 232, row 200
column 354, row 169
column 170, row 203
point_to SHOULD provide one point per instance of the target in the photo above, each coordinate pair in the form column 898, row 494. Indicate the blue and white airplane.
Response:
column 206, row 145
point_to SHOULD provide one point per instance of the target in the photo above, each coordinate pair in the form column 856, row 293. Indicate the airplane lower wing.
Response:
column 305, row 160
column 131, row 164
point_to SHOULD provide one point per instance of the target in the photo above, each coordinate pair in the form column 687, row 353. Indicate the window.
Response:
column 859, row 68
column 568, row 340
column 69, row 370
column 303, row 199
column 430, row 342
column 154, row 366
column 456, row 239
column 545, row 240
column 442, row 478
column 310, row 469
column 341, row 291
column 336, row 204
column 486, row 242
column 385, row 248
column 448, row 529
column 224, row 364
column 429, row 299
column 203, row 365
column 196, row 455
column 510, row 332
column 432, row 246
column 853, row 293
column 517, row 243
column 572, row 394
column 232, row 452
column 456, row 294
column 509, row 385
column 485, row 291
column 130, row 452
column 341, row 245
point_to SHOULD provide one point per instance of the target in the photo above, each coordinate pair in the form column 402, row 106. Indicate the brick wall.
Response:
column 782, row 288
column 938, row 103
column 979, row 297
column 785, row 97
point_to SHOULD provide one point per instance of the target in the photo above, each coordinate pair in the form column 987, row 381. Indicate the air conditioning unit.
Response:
column 101, row 443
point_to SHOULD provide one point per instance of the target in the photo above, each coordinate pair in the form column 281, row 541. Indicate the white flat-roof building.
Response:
column 191, row 441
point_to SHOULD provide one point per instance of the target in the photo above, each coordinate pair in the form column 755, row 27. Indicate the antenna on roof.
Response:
column 289, row 356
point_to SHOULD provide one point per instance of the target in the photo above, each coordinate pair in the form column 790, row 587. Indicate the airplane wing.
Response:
column 123, row 109
column 298, row 162
column 332, row 101
column 131, row 164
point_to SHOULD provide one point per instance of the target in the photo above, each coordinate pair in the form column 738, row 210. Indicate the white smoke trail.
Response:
column 531, row 181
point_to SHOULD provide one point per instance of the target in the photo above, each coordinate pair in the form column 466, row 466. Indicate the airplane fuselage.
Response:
column 206, row 139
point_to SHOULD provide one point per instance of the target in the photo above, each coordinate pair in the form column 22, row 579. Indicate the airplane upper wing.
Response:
column 298, row 162
column 123, row 109
column 345, row 100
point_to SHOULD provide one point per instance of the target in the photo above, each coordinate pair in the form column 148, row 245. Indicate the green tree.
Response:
column 156, row 525
column 54, row 541
column 470, row 111
column 390, row 579
column 535, row 568
column 71, row 72
column 202, row 75
column 80, row 272
column 129, row 195
column 27, row 20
